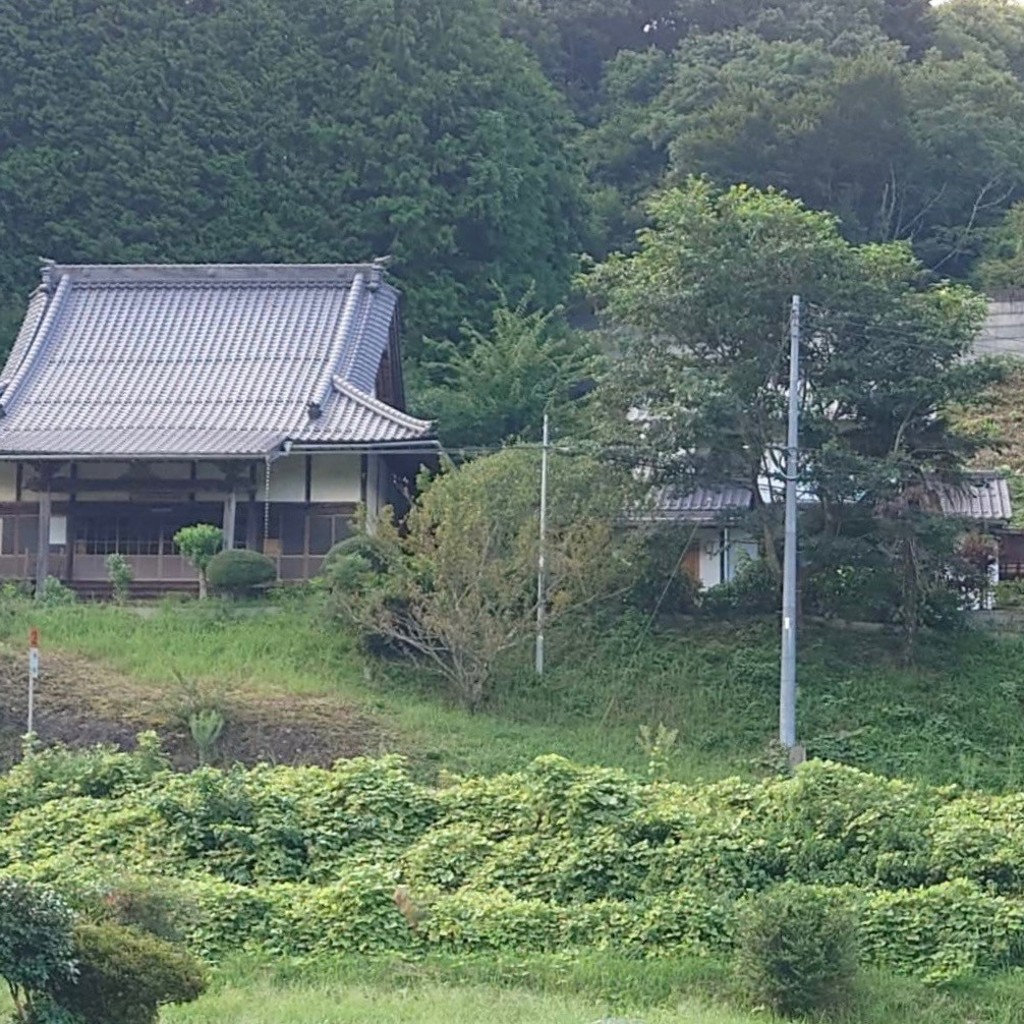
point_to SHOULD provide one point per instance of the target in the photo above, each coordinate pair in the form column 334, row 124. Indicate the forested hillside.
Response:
column 486, row 144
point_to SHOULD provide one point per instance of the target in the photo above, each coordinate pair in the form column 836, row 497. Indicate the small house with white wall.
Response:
column 716, row 549
column 266, row 399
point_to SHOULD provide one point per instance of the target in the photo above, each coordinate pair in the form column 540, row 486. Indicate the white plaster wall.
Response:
column 288, row 478
column 709, row 540
column 58, row 529
column 8, row 481
column 336, row 477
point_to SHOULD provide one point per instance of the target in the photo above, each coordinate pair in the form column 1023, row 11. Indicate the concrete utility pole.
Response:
column 541, row 582
column 787, row 675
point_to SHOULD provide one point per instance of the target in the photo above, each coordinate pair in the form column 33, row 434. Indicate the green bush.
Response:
column 54, row 593
column 120, row 574
column 125, row 976
column 497, row 920
column 240, row 572
column 58, row 772
column 358, row 565
column 376, row 552
column 36, row 948
column 754, row 590
column 940, row 933
column 1009, row 594
column 152, row 905
column 659, row 583
column 304, row 861
column 796, row 952
column 862, row 593
column 199, row 544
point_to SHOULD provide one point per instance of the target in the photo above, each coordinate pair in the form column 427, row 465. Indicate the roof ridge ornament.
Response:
column 46, row 270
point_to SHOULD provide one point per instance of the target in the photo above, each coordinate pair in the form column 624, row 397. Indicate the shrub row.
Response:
column 306, row 861
column 938, row 933
column 553, row 831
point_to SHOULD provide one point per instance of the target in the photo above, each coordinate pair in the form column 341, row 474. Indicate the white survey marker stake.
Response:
column 33, row 675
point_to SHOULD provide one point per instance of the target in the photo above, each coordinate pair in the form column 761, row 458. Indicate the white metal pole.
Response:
column 541, row 583
column 33, row 674
column 787, row 680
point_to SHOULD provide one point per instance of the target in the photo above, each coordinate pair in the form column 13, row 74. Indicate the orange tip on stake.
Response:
column 33, row 637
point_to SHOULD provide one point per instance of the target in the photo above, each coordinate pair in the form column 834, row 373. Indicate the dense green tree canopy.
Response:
column 496, row 386
column 992, row 29
column 484, row 143
column 1002, row 265
column 707, row 297
column 928, row 150
column 318, row 130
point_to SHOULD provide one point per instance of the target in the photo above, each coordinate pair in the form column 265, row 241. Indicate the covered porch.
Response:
column 65, row 521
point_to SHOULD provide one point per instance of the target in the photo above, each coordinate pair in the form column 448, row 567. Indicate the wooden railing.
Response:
column 163, row 568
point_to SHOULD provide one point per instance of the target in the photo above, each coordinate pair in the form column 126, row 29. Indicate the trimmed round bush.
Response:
column 36, row 949
column 125, row 976
column 372, row 550
column 796, row 952
column 239, row 572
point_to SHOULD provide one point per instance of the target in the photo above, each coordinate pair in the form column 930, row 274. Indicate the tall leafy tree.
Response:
column 1002, row 264
column 457, row 588
column 574, row 39
column 992, row 29
column 286, row 130
column 830, row 129
column 497, row 385
column 707, row 296
column 845, row 26
column 929, row 151
column 966, row 163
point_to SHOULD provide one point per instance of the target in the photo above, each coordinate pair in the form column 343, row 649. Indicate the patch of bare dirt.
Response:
column 82, row 703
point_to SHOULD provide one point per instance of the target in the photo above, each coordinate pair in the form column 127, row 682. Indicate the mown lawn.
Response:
column 955, row 715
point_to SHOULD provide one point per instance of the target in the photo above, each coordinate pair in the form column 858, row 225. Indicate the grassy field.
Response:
column 957, row 715
column 552, row 990
column 325, row 1003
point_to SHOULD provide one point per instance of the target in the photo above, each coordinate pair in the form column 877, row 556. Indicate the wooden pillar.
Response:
column 230, row 507
column 43, row 539
column 69, row 540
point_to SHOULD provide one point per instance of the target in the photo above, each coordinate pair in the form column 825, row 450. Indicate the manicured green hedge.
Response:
column 305, row 861
column 239, row 571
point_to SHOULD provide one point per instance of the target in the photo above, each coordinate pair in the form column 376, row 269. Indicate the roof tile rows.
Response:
column 982, row 497
column 162, row 361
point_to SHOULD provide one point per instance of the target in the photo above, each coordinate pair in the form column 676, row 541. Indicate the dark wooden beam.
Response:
column 43, row 541
column 133, row 485
column 230, row 508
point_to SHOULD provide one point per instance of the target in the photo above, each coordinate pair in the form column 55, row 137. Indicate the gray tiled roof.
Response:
column 701, row 505
column 983, row 497
column 172, row 360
